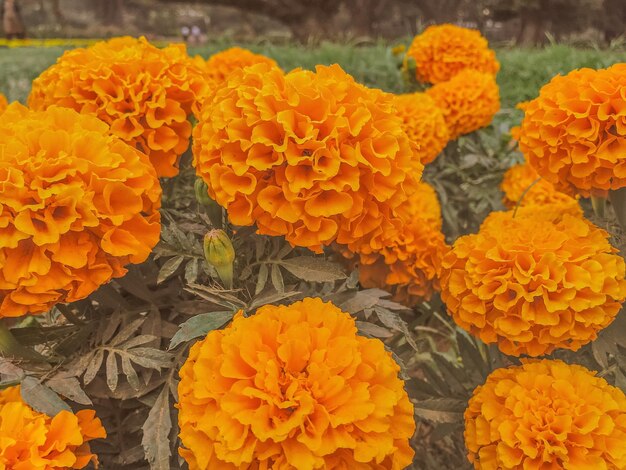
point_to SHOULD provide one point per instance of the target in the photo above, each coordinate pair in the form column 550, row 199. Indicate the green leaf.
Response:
column 440, row 410
column 313, row 269
column 371, row 329
column 262, row 279
column 277, row 279
column 169, row 268
column 69, row 387
column 156, row 430
column 42, row 398
column 199, row 325
column 93, row 367
column 112, row 371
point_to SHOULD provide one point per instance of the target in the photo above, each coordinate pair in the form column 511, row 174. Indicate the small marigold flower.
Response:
column 468, row 101
column 293, row 387
column 408, row 262
column 574, row 133
column 313, row 156
column 519, row 178
column 76, row 205
column 441, row 52
column 546, row 414
column 424, row 124
column 144, row 93
column 3, row 103
column 220, row 65
column 33, row 440
column 544, row 279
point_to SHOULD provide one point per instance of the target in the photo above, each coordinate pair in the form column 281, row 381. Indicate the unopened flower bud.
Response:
column 219, row 253
column 202, row 193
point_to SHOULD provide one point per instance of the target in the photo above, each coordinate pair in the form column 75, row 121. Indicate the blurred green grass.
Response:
column 522, row 74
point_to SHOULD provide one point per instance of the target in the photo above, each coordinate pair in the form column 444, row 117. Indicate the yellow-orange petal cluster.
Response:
column 219, row 66
column 33, row 440
column 3, row 103
column 574, row 132
column 76, row 205
column 313, row 156
column 522, row 180
column 408, row 263
column 544, row 279
column 293, row 387
column 144, row 93
column 468, row 101
column 424, row 124
column 441, row 52
column 546, row 414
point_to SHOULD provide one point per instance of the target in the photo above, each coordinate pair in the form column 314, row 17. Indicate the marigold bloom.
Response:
column 144, row 93
column 76, row 205
column 220, row 65
column 544, row 279
column 313, row 156
column 468, row 101
column 3, row 103
column 408, row 262
column 574, row 133
column 441, row 52
column 33, row 440
column 424, row 124
column 546, row 414
column 519, row 178
column 293, row 387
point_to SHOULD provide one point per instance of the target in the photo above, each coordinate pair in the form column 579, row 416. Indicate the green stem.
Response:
column 599, row 204
column 618, row 201
column 11, row 347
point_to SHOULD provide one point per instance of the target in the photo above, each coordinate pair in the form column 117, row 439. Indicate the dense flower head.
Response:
column 293, row 387
column 517, row 181
column 219, row 66
column 3, row 103
column 546, row 414
column 441, row 52
column 534, row 279
column 408, row 262
column 468, row 101
column 424, row 124
column 35, row 441
column 144, row 93
column 574, row 132
column 313, row 156
column 76, row 205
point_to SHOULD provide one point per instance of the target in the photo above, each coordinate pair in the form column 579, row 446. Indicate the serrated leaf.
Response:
column 191, row 270
column 169, row 268
column 440, row 410
column 137, row 341
column 362, row 300
column 41, row 398
column 262, row 279
column 313, row 269
column 127, row 332
column 199, row 326
column 373, row 330
column 111, row 326
column 112, row 371
column 277, row 278
column 69, row 387
column 130, row 373
column 93, row 367
column 393, row 320
column 156, row 430
column 149, row 358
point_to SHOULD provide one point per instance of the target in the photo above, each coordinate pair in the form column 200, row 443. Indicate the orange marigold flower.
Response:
column 574, row 133
column 519, row 178
column 313, row 156
column 544, row 279
column 424, row 124
column 76, row 205
column 293, row 387
column 546, row 414
column 3, row 103
column 220, row 65
column 408, row 262
column 468, row 101
column 33, row 440
column 441, row 52
column 144, row 93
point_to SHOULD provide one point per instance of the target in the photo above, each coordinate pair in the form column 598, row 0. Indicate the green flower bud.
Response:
column 219, row 253
column 202, row 193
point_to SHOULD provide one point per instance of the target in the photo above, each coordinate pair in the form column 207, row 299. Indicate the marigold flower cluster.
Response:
column 313, row 156
column 517, row 181
column 144, row 93
column 546, row 414
column 441, row 52
column 408, row 262
column 76, row 205
column 220, row 65
column 3, row 103
column 468, row 101
column 33, row 440
column 293, row 387
column 540, row 280
column 423, row 123
column 574, row 134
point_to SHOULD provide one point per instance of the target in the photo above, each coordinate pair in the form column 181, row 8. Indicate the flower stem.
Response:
column 599, row 204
